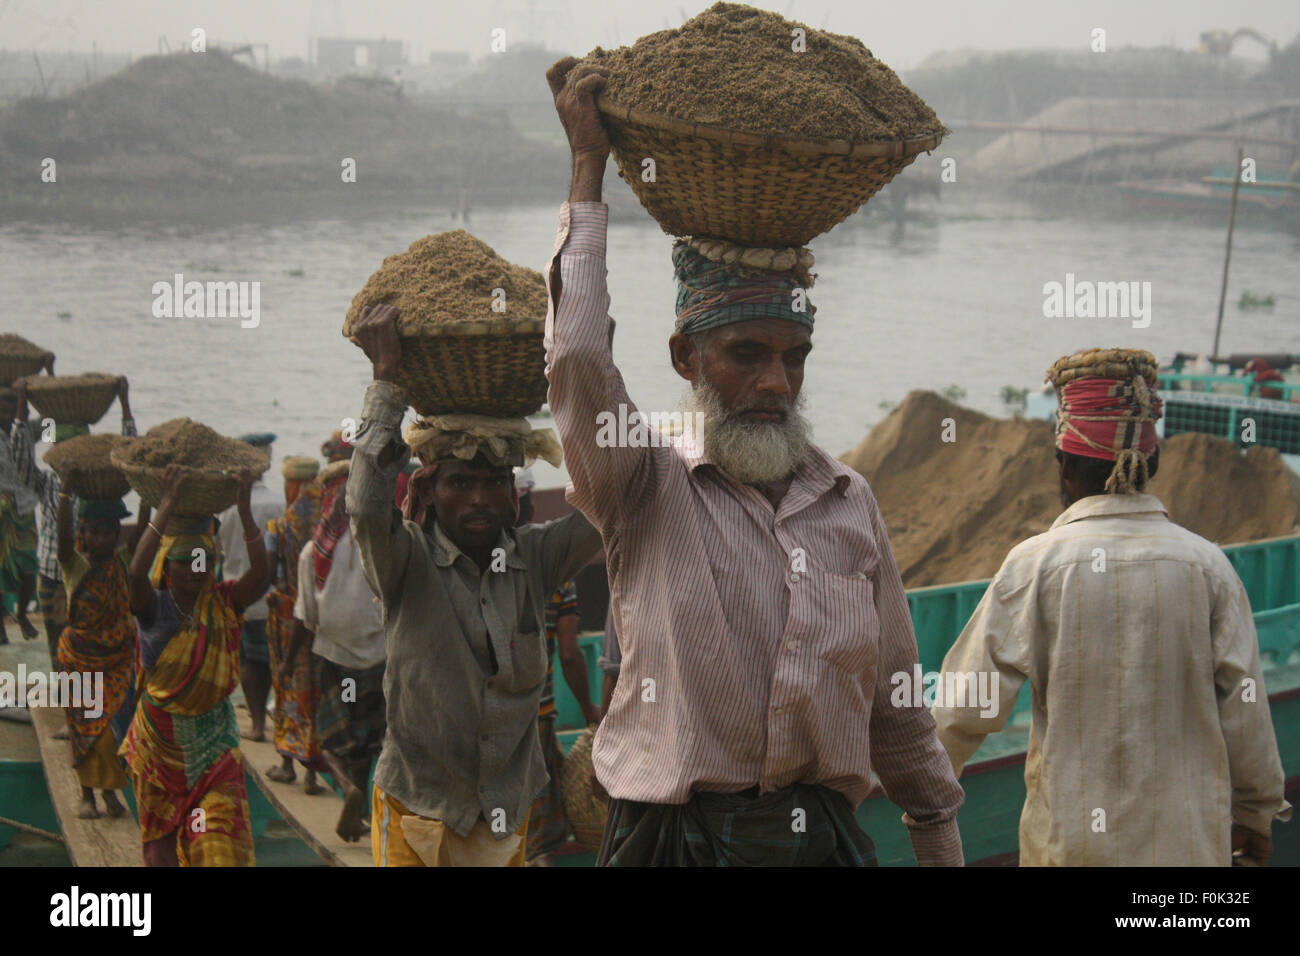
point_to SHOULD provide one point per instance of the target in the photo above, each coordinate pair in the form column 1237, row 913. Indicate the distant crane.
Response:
column 248, row 49
column 1220, row 42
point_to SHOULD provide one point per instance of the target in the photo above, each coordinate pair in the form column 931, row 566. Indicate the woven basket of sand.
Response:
column 470, row 325
column 757, row 134
column 20, row 358
column 75, row 399
column 212, row 463
column 85, row 468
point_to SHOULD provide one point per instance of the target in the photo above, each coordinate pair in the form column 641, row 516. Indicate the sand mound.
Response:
column 194, row 445
column 954, row 509
column 735, row 66
column 450, row 277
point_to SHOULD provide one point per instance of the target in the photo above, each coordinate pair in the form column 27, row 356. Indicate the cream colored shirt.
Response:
column 1148, row 739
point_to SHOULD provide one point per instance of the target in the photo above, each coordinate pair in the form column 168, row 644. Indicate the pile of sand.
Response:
column 55, row 383
column 186, row 442
column 84, row 466
column 19, row 347
column 450, row 277
column 954, row 510
column 85, row 453
column 735, row 66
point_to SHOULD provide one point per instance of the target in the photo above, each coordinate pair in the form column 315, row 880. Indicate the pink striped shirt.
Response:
column 755, row 642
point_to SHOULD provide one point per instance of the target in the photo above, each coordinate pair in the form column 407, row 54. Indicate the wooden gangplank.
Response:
column 100, row 842
column 312, row 818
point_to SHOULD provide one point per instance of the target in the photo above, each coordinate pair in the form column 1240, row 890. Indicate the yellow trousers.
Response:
column 401, row 838
column 101, row 768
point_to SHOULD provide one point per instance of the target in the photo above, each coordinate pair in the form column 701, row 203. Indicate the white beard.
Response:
column 754, row 453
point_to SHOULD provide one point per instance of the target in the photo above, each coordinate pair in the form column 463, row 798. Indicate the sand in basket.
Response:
column 19, row 358
column 213, row 463
column 471, row 326
column 85, row 469
column 763, row 131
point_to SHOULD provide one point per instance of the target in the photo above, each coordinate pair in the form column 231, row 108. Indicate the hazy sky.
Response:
column 902, row 34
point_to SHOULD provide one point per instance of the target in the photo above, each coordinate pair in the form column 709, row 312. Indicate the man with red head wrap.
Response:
column 1151, row 740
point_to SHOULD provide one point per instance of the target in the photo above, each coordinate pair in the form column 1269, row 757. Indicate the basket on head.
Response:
column 20, row 358
column 474, row 367
column 470, row 324
column 299, row 468
column 212, row 463
column 77, row 399
column 751, row 189
column 85, row 467
column 585, row 812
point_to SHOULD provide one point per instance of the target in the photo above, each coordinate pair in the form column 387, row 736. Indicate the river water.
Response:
column 957, row 300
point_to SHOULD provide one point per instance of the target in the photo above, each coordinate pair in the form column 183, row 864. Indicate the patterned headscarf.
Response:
column 711, row 293
column 180, row 546
column 502, row 441
column 335, row 448
column 331, row 526
column 1109, row 410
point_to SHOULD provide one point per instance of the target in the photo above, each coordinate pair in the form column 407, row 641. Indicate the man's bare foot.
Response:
column 350, row 828
column 27, row 627
column 87, row 810
column 310, row 786
column 116, row 809
column 257, row 736
column 281, row 774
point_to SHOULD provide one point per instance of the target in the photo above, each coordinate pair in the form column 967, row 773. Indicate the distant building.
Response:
column 335, row 55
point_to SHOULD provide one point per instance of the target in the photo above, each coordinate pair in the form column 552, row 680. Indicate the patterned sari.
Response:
column 183, row 746
column 295, row 700
column 100, row 638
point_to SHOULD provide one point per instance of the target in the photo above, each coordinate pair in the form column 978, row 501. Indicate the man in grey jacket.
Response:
column 464, row 595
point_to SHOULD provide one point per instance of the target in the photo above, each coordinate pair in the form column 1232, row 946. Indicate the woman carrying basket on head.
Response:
column 99, row 639
column 292, row 674
column 183, row 747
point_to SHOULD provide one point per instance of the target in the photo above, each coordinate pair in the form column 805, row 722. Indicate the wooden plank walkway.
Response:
column 100, row 842
column 312, row 818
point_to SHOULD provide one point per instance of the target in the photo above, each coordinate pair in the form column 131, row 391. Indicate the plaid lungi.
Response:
column 738, row 829
column 350, row 721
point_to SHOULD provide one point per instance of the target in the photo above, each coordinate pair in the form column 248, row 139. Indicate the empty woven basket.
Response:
column 585, row 812
column 750, row 189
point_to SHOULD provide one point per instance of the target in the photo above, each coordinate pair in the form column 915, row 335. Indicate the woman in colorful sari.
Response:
column 292, row 674
column 17, row 526
column 183, row 746
column 99, row 639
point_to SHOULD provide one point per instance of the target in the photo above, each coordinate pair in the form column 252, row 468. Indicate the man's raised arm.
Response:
column 378, row 456
column 587, row 395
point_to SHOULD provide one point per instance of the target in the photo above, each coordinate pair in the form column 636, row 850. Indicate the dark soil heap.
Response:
column 450, row 278
column 954, row 509
column 194, row 445
column 734, row 66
